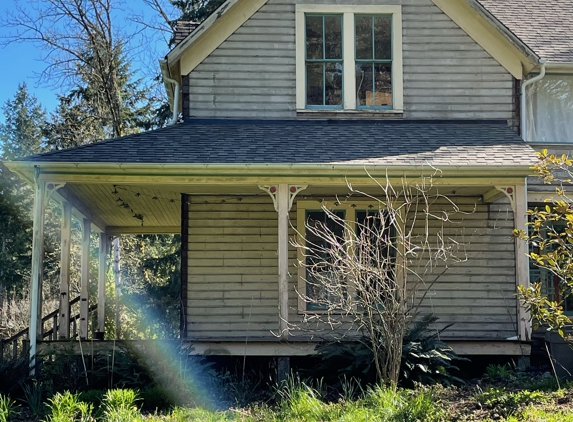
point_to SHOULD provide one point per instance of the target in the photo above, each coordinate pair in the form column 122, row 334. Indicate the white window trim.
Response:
column 349, row 68
column 350, row 208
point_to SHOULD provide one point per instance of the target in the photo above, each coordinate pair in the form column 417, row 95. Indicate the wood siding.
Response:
column 233, row 275
column 233, row 267
column 447, row 75
column 477, row 295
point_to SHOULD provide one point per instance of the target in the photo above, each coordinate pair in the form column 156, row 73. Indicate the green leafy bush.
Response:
column 7, row 407
column 120, row 406
column 425, row 359
column 67, row 407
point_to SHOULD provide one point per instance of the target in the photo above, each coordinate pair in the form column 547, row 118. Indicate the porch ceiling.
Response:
column 124, row 208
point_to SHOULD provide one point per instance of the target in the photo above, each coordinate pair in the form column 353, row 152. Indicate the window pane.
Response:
column 333, row 84
column 314, row 83
column 319, row 264
column 383, row 37
column 363, row 37
column 314, row 40
column 333, row 35
column 550, row 110
column 383, row 79
column 364, row 91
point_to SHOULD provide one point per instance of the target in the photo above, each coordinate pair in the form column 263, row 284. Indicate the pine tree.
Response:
column 20, row 135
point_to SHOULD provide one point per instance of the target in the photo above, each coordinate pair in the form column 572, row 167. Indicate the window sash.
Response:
column 324, row 61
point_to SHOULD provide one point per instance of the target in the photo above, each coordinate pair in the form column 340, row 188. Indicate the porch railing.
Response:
column 17, row 346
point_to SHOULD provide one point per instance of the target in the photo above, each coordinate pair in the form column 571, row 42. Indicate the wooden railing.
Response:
column 17, row 346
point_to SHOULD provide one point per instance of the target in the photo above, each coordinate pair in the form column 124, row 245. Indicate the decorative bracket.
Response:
column 510, row 193
column 52, row 188
column 273, row 191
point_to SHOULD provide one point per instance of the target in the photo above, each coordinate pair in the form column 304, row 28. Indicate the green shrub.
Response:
column 7, row 408
column 498, row 372
column 120, row 406
column 34, row 396
column 425, row 359
column 67, row 407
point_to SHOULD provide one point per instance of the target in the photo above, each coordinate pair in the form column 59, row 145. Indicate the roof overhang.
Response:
column 209, row 35
column 248, row 174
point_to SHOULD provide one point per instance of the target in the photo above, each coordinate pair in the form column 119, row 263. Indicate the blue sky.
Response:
column 22, row 62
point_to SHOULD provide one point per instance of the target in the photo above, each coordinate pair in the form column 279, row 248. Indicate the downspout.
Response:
column 177, row 88
column 524, row 85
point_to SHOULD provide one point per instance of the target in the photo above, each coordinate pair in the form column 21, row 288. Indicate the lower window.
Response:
column 354, row 240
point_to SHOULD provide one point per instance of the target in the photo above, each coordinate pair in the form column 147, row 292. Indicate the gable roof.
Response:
column 491, row 144
column 545, row 26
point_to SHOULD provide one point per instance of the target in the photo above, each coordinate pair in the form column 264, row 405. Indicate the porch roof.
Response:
column 333, row 142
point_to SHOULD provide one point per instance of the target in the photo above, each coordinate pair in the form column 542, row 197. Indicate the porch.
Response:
column 236, row 216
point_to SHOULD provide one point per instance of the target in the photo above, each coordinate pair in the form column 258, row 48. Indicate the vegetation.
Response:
column 297, row 400
column 550, row 236
column 368, row 276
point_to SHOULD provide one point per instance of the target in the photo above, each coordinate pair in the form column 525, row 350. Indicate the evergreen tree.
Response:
column 196, row 10
column 20, row 135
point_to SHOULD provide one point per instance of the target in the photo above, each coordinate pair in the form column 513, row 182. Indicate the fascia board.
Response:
column 153, row 171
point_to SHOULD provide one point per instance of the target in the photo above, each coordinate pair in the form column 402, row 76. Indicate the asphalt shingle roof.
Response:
column 545, row 26
column 367, row 142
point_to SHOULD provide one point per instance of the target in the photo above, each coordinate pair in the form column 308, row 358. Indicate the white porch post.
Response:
column 64, row 317
column 85, row 273
column 117, row 279
column 521, row 260
column 283, row 196
column 283, row 209
column 102, row 274
column 37, row 270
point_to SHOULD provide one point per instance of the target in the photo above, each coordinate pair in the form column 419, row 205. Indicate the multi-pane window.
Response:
column 324, row 60
column 323, row 275
column 349, row 57
column 373, row 46
column 318, row 261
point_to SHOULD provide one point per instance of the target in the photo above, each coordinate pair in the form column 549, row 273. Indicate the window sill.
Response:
column 351, row 113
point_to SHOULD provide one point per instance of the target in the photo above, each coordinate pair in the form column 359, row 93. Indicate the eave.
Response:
column 244, row 174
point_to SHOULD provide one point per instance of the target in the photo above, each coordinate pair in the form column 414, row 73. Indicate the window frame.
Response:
column 349, row 208
column 349, row 13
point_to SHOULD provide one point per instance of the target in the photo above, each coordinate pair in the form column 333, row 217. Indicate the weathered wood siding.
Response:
column 477, row 295
column 447, row 75
column 233, row 267
column 233, row 274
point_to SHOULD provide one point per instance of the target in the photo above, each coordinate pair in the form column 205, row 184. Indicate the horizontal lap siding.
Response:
column 446, row 73
column 233, row 276
column 476, row 295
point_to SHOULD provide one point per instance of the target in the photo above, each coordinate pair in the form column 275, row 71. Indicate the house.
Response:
column 286, row 103
column 548, row 109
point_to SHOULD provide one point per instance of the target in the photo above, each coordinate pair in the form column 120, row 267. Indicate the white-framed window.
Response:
column 345, row 218
column 550, row 110
column 349, row 58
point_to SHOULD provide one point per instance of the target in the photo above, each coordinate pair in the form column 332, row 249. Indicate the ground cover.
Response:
column 501, row 395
